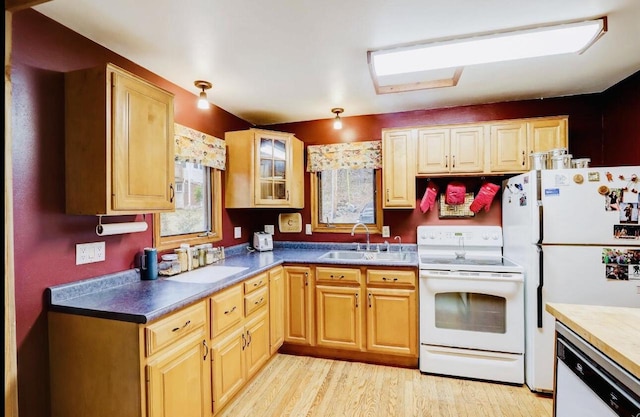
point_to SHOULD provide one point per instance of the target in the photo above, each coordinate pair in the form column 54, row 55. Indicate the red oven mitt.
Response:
column 455, row 193
column 485, row 197
column 429, row 199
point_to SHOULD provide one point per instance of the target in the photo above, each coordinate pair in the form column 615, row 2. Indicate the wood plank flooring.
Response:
column 303, row 386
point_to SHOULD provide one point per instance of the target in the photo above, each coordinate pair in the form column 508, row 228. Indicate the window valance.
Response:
column 353, row 155
column 192, row 145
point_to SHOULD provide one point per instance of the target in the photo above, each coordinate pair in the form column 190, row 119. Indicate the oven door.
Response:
column 473, row 310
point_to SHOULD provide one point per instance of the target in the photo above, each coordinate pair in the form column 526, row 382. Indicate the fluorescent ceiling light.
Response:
column 505, row 46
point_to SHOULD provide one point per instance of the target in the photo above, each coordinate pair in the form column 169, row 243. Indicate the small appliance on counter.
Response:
column 262, row 241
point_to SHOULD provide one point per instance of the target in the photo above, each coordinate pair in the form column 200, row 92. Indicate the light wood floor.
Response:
column 302, row 386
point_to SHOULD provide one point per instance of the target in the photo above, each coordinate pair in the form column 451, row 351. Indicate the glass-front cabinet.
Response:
column 264, row 169
column 273, row 155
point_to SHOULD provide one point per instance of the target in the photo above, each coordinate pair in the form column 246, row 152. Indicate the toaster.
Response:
column 262, row 241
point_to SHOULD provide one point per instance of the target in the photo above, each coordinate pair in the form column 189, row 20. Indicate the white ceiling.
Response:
column 277, row 61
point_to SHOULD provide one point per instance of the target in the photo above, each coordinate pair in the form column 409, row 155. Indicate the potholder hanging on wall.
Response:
column 429, row 199
column 455, row 193
column 485, row 197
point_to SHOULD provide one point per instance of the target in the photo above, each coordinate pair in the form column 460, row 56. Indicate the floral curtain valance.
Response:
column 192, row 145
column 354, row 155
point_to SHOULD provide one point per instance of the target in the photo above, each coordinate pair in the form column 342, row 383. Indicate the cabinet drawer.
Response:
column 391, row 277
column 349, row 275
column 226, row 310
column 166, row 331
column 255, row 301
column 256, row 282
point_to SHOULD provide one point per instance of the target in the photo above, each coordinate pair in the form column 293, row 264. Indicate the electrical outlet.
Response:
column 87, row 253
column 307, row 229
column 385, row 231
column 269, row 228
column 237, row 232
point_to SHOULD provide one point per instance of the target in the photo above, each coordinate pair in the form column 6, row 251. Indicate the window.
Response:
column 198, row 215
column 343, row 197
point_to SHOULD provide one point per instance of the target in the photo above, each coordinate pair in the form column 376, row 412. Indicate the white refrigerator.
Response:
column 576, row 233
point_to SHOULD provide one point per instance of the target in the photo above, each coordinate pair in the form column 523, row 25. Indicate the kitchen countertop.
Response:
column 124, row 296
column 615, row 331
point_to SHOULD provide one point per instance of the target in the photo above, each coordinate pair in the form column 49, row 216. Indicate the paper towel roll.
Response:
column 120, row 228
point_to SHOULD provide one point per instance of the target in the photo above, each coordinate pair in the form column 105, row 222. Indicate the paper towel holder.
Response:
column 120, row 228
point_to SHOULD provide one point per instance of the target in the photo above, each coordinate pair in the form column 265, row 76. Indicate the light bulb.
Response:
column 203, row 103
column 337, row 123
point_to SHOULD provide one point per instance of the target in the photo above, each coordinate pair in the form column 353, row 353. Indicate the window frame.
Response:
column 215, row 235
column 321, row 227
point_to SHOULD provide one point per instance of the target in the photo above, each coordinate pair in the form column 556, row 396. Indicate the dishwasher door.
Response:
column 586, row 385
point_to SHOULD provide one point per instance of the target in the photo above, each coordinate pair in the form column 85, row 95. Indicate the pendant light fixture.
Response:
column 203, row 101
column 337, row 122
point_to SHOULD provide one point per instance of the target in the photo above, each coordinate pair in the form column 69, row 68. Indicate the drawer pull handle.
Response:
column 259, row 301
column 255, row 284
column 340, row 277
column 175, row 329
column 206, row 350
column 230, row 311
column 389, row 279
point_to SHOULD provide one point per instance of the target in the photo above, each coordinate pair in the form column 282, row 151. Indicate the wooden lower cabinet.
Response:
column 299, row 305
column 339, row 317
column 229, row 367
column 374, row 320
column 179, row 381
column 392, row 321
column 276, row 308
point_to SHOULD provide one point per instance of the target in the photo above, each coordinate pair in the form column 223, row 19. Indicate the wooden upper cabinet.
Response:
column 509, row 147
column 548, row 133
column 445, row 150
column 399, row 168
column 264, row 169
column 433, row 150
column 119, row 146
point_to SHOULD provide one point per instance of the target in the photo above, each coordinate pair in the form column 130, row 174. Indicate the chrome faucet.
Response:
column 353, row 231
column 399, row 239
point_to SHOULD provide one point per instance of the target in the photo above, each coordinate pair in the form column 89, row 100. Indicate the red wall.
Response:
column 621, row 122
column 45, row 237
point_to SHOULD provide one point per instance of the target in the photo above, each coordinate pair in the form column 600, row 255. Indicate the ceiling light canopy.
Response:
column 505, row 46
column 203, row 101
column 337, row 122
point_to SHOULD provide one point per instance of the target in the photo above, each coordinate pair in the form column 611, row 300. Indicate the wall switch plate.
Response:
column 269, row 228
column 307, row 229
column 385, row 231
column 237, row 232
column 87, row 253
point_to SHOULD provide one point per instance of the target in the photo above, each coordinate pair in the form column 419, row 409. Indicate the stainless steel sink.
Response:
column 350, row 255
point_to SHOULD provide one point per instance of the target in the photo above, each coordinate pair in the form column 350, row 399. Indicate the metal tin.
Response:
column 561, row 161
column 558, row 152
column 581, row 163
column 538, row 160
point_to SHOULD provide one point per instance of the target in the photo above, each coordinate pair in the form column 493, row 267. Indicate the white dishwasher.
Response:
column 589, row 384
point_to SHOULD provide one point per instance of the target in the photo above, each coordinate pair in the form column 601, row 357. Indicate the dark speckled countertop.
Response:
column 124, row 296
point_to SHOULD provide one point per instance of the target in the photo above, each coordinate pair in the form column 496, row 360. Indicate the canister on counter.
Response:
column 195, row 259
column 183, row 259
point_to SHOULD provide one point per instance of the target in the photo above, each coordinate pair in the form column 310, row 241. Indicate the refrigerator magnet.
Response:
column 593, row 176
column 578, row 179
column 550, row 192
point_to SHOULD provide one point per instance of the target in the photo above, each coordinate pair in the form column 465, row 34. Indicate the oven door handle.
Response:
column 487, row 277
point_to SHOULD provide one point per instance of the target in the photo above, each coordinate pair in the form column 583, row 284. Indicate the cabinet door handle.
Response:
column 206, row 350
column 248, row 338
column 523, row 158
column 369, row 300
column 446, row 161
column 357, row 300
column 172, row 193
column 453, row 161
column 230, row 311
column 175, row 329
column 306, row 278
column 387, row 194
column 244, row 342
column 287, row 195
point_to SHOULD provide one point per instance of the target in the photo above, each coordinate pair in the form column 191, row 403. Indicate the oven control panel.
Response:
column 460, row 235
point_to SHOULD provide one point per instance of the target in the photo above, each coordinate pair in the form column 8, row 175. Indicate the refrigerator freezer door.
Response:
column 579, row 208
column 520, row 213
column 574, row 275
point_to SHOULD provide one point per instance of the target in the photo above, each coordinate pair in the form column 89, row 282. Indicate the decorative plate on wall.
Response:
column 290, row 222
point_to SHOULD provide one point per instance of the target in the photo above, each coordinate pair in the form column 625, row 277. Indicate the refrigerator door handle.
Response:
column 540, row 285
column 540, row 208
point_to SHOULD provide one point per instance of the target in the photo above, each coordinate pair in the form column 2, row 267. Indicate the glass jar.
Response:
column 211, row 256
column 202, row 254
column 183, row 259
column 195, row 259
